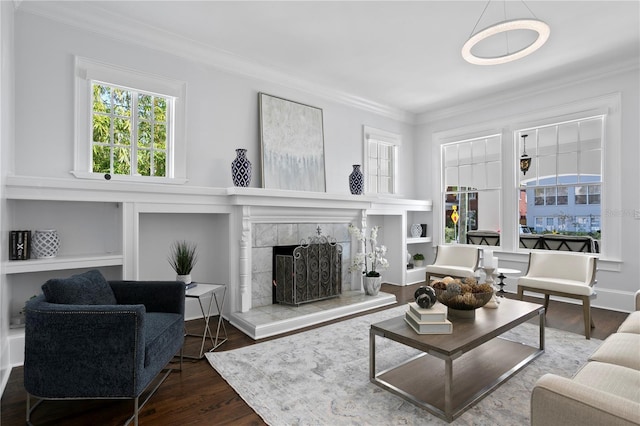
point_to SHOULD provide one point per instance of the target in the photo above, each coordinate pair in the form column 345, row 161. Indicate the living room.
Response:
column 48, row 48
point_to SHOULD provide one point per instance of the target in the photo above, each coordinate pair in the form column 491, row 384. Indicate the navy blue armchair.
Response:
column 88, row 338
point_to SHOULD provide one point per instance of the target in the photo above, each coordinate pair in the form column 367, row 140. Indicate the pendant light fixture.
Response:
column 525, row 160
column 531, row 24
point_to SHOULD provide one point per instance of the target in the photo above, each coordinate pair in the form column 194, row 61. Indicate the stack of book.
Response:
column 19, row 245
column 428, row 321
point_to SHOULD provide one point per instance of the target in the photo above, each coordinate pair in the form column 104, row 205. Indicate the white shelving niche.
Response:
column 395, row 234
column 90, row 237
column 417, row 245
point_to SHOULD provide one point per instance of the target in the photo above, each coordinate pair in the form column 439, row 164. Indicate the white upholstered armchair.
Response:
column 458, row 261
column 571, row 275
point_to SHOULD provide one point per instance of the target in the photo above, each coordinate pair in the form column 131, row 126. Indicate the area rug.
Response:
column 321, row 377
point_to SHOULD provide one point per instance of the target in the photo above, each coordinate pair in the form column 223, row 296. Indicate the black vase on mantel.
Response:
column 241, row 168
column 356, row 180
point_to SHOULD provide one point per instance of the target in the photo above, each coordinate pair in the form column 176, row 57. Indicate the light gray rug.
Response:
column 321, row 377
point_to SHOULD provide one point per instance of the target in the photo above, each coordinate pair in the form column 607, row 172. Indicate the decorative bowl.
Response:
column 462, row 301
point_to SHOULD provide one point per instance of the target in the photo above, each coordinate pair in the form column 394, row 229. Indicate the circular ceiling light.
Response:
column 539, row 27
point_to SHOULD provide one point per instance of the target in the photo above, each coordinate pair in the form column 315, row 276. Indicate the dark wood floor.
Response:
column 199, row 396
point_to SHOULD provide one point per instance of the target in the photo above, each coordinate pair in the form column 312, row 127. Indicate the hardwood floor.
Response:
column 199, row 396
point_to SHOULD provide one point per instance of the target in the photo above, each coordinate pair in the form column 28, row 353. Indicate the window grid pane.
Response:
column 122, row 144
column 380, row 168
column 564, row 182
column 472, row 171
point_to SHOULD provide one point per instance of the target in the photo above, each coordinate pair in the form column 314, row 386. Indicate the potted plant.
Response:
column 370, row 260
column 182, row 259
column 418, row 259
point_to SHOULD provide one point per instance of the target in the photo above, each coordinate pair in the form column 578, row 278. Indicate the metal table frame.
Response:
column 450, row 412
column 200, row 292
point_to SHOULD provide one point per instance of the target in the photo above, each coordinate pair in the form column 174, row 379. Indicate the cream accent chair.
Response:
column 605, row 391
column 569, row 275
column 458, row 261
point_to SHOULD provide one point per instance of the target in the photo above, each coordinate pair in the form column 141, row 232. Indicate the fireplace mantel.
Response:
column 235, row 213
column 72, row 189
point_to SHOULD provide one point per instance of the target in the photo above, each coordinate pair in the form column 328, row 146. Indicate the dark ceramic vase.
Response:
column 356, row 180
column 241, row 168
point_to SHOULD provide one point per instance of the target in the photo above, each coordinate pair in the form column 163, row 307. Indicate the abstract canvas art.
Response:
column 292, row 139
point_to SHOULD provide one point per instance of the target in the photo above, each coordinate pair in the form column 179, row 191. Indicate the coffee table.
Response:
column 483, row 360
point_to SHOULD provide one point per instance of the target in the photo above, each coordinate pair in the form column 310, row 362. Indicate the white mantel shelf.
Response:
column 72, row 189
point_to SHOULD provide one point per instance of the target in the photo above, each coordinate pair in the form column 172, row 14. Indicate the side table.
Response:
column 202, row 291
column 502, row 276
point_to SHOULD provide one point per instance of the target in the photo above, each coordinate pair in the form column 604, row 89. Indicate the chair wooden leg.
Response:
column 546, row 303
column 586, row 307
column 520, row 293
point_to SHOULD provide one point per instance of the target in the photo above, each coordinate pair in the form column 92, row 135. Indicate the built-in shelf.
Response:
column 418, row 240
column 416, row 274
column 61, row 262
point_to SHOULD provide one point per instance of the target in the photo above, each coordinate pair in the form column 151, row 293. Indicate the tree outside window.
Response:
column 130, row 131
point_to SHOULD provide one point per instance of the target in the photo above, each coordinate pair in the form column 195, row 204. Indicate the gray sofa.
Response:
column 605, row 391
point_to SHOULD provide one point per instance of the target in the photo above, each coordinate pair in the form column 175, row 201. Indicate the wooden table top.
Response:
column 467, row 334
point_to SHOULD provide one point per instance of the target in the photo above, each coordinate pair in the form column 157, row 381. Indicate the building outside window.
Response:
column 563, row 185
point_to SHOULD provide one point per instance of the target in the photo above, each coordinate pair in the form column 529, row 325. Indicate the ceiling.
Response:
column 404, row 55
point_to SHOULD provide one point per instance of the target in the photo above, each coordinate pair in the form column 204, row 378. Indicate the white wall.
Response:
column 6, row 139
column 617, row 278
column 221, row 109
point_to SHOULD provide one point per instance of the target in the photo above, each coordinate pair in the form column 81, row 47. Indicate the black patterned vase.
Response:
column 241, row 168
column 356, row 180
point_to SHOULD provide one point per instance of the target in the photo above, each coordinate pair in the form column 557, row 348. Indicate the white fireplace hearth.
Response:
column 271, row 320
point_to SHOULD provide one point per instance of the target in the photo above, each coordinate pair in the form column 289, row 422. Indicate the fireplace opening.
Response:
column 307, row 272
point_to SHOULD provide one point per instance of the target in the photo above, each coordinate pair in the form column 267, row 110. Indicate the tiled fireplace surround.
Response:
column 268, row 218
column 267, row 235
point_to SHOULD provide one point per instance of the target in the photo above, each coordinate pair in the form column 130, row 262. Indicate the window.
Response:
column 565, row 177
column 130, row 125
column 472, row 179
column 551, row 196
column 589, row 194
column 130, row 130
column 380, row 168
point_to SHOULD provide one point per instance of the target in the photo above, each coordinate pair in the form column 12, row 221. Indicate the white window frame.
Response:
column 88, row 71
column 387, row 138
column 611, row 192
column 484, row 188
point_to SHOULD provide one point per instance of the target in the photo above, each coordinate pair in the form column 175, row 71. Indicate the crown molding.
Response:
column 568, row 79
column 88, row 16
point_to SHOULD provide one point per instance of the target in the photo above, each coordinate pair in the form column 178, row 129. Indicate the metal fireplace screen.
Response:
column 311, row 271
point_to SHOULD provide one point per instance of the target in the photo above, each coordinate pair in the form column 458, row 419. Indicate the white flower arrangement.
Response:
column 370, row 261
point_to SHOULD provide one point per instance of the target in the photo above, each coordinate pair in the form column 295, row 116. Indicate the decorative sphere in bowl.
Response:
column 463, row 301
column 462, row 295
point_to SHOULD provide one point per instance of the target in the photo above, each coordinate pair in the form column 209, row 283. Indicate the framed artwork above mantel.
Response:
column 292, row 143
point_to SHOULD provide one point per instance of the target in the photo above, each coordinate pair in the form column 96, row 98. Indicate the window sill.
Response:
column 126, row 178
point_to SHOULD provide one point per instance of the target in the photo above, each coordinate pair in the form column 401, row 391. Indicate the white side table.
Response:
column 216, row 293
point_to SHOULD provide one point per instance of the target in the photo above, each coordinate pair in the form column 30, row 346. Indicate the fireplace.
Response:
column 307, row 272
